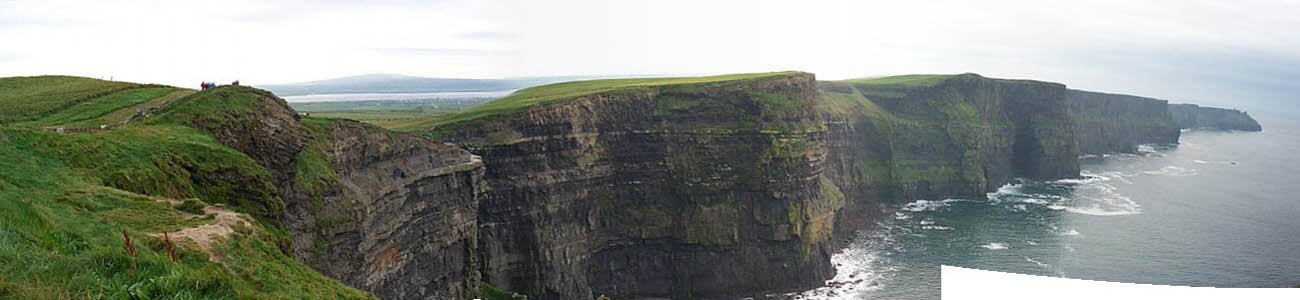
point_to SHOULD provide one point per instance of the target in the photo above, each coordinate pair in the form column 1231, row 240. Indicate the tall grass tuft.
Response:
column 171, row 247
column 130, row 247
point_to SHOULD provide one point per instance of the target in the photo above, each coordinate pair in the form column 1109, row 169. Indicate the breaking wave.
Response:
column 1215, row 162
column 1039, row 263
column 928, row 205
column 995, row 246
column 1173, row 171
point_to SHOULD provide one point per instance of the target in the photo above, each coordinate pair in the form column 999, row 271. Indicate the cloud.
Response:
column 1195, row 51
column 437, row 52
column 486, row 35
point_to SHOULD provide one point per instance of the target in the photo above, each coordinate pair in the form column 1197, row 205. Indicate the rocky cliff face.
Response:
column 1192, row 116
column 401, row 221
column 683, row 191
column 390, row 213
column 1119, row 123
column 936, row 138
column 958, row 136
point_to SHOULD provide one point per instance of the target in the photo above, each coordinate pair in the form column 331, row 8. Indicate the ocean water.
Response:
column 1220, row 209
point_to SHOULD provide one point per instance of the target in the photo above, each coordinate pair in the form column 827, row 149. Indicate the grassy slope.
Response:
column 916, row 80
column 64, row 199
column 123, row 112
column 30, row 98
column 100, row 106
column 562, row 91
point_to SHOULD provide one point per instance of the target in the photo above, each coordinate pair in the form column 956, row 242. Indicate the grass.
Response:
column 314, row 172
column 100, row 106
column 31, row 98
column 128, row 111
column 65, row 198
column 491, row 293
column 387, row 114
column 563, row 91
column 916, row 80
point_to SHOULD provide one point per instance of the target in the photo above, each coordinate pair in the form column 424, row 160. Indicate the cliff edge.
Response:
column 1192, row 116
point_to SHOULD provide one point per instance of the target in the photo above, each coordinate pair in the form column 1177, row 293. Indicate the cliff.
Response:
column 389, row 213
column 686, row 188
column 683, row 188
column 940, row 136
column 897, row 139
column 1192, row 116
column 698, row 188
column 1119, row 123
column 88, row 214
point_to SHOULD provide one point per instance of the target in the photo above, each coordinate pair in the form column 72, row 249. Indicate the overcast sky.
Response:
column 1227, row 53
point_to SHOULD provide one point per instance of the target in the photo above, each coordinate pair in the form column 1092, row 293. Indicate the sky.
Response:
column 1242, row 53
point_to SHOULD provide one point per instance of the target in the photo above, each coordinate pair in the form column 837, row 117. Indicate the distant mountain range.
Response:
column 395, row 83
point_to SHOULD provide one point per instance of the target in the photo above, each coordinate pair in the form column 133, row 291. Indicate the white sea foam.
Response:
column 1039, row 263
column 1069, row 232
column 1098, row 198
column 1215, row 162
column 1117, row 176
column 855, row 274
column 1004, row 190
column 1085, row 179
column 901, row 216
column 1037, row 201
column 935, row 227
column 1173, row 171
column 995, row 246
column 1031, row 242
column 1087, row 156
column 928, row 205
column 1148, row 150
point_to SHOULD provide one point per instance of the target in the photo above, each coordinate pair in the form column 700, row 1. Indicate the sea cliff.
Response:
column 1119, row 123
column 1192, row 116
column 687, row 188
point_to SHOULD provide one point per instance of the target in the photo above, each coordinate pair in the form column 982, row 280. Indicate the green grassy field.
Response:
column 123, row 112
column 561, row 91
column 31, row 98
column 917, row 80
column 65, row 199
column 387, row 114
column 94, row 109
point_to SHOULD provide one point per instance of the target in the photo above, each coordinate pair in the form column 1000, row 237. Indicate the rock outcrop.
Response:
column 1192, row 116
column 390, row 213
column 1108, row 123
column 401, row 222
column 684, row 191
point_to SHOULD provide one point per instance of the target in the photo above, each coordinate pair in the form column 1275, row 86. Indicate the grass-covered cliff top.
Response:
column 918, row 80
column 925, row 80
column 569, row 90
column 66, row 198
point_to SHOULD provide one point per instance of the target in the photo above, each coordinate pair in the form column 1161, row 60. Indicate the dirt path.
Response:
column 208, row 234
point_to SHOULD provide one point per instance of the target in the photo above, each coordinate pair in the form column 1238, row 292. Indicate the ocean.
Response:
column 1219, row 209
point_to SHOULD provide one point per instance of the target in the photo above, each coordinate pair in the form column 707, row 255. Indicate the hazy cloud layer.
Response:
column 1239, row 53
